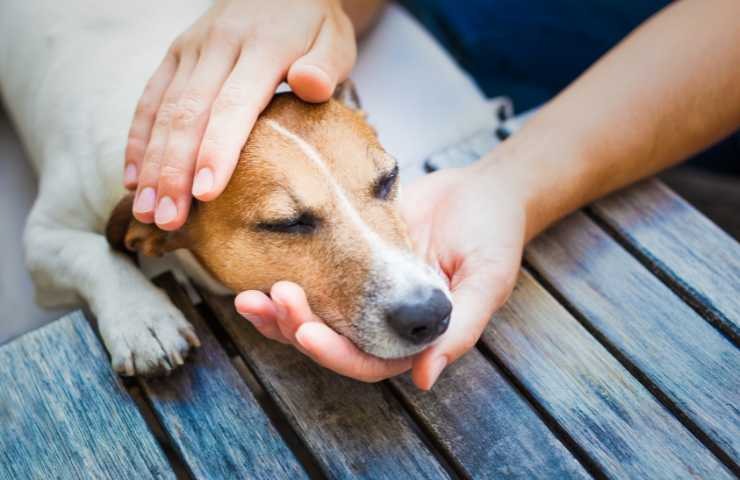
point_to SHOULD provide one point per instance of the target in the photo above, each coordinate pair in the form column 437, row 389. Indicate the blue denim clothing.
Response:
column 529, row 50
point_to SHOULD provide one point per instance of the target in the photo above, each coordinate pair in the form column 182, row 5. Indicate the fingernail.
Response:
column 203, row 182
column 129, row 175
column 145, row 201
column 253, row 319
column 166, row 211
column 436, row 369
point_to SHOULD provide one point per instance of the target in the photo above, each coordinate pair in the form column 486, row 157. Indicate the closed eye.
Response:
column 302, row 224
column 384, row 185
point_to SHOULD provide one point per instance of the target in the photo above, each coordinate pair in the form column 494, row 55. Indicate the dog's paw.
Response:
column 149, row 340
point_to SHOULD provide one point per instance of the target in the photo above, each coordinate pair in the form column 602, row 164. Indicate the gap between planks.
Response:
column 683, row 290
column 265, row 401
column 133, row 389
column 290, row 436
column 641, row 377
column 578, row 452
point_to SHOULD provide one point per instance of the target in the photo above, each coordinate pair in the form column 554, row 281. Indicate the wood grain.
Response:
column 693, row 255
column 211, row 416
column 353, row 429
column 687, row 360
column 613, row 418
column 486, row 426
column 63, row 413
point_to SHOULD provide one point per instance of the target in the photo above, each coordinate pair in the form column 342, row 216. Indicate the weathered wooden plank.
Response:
column 614, row 419
column 353, row 429
column 485, row 425
column 211, row 416
column 688, row 361
column 683, row 247
column 63, row 413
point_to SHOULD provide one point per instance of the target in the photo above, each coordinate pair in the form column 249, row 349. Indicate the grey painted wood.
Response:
column 486, row 426
column 613, row 418
column 682, row 246
column 353, row 429
column 690, row 362
column 215, row 423
column 63, row 413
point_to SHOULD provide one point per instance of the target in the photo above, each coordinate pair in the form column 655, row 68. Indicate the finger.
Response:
column 146, row 193
column 314, row 76
column 292, row 308
column 186, row 131
column 146, row 112
column 243, row 96
column 337, row 353
column 475, row 299
column 261, row 312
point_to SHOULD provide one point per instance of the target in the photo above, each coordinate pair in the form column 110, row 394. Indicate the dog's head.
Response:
column 313, row 200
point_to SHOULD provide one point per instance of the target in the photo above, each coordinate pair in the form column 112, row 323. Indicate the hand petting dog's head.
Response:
column 313, row 200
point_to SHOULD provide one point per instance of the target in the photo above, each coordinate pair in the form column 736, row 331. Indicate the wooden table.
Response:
column 617, row 356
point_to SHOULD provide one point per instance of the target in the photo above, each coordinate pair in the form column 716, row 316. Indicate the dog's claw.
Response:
column 191, row 337
column 176, row 359
column 148, row 343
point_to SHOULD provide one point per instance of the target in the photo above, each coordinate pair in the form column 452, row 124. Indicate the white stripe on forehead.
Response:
column 400, row 269
column 316, row 159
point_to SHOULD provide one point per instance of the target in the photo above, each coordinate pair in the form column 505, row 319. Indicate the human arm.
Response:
column 665, row 92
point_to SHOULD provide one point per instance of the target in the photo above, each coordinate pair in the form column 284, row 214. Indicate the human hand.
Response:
column 470, row 226
column 286, row 317
column 198, row 108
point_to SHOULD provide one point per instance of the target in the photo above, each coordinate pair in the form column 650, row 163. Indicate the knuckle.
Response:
column 181, row 43
column 232, row 97
column 146, row 108
column 225, row 32
column 164, row 115
column 189, row 108
column 172, row 174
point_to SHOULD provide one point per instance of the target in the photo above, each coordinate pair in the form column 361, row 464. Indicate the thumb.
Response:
column 474, row 300
column 314, row 76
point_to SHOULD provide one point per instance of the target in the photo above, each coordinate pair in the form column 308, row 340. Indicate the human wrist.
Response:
column 541, row 168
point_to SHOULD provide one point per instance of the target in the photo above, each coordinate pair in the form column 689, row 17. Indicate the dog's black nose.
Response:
column 421, row 318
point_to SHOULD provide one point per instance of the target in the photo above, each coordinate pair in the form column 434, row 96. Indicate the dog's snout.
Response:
column 422, row 317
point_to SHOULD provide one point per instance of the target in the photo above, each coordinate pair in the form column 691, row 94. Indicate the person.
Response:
column 663, row 93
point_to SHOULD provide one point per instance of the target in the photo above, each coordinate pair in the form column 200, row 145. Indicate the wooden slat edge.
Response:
column 589, row 393
column 692, row 255
column 353, row 429
column 212, row 419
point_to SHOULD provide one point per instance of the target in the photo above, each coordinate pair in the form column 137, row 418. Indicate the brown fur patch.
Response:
column 274, row 180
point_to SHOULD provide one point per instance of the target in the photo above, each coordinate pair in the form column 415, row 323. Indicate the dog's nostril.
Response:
column 422, row 317
column 417, row 331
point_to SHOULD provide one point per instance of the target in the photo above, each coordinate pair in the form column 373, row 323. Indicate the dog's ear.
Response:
column 346, row 93
column 127, row 234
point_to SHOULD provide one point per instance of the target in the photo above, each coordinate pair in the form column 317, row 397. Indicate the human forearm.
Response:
column 666, row 92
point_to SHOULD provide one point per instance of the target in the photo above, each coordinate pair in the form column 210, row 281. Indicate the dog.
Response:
column 313, row 199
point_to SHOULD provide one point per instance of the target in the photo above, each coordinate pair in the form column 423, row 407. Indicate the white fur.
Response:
column 70, row 75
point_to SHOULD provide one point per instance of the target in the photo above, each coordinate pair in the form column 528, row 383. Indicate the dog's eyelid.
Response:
column 304, row 222
column 385, row 183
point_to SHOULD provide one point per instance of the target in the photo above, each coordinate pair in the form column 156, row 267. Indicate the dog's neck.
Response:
column 202, row 277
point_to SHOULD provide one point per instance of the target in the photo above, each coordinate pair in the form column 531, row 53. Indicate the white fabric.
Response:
column 416, row 96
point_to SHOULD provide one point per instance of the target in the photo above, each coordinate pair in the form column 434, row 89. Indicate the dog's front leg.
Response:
column 144, row 332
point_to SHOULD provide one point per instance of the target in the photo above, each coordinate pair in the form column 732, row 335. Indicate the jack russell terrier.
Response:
column 312, row 200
